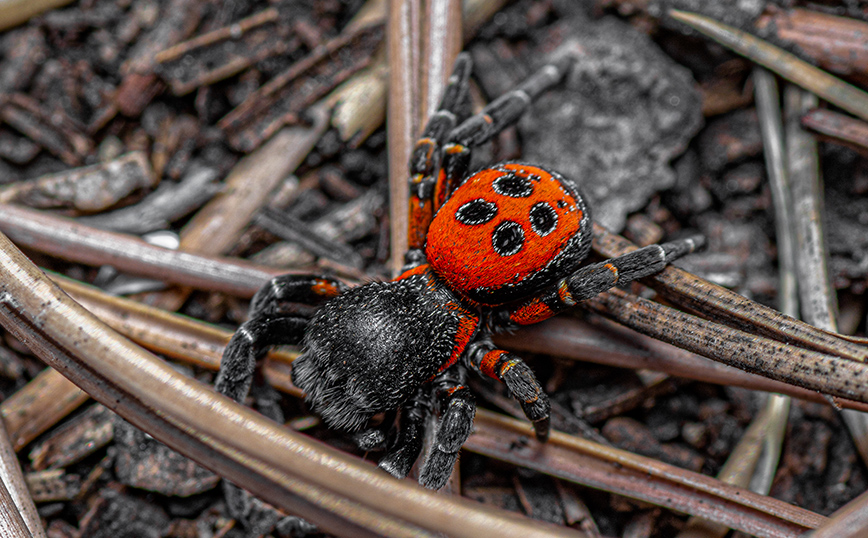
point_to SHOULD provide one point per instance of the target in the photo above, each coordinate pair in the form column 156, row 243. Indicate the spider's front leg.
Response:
column 441, row 157
column 593, row 279
column 513, row 372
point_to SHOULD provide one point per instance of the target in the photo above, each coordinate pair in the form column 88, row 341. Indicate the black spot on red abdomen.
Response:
column 476, row 212
column 508, row 238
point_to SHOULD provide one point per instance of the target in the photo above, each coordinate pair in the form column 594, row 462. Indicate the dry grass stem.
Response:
column 785, row 64
column 12, row 479
column 618, row 471
column 69, row 240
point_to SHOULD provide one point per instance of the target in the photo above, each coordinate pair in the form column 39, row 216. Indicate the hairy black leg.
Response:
column 237, row 368
column 494, row 118
column 513, row 372
column 596, row 278
column 266, row 399
column 427, row 190
column 281, row 292
column 405, row 448
column 270, row 325
column 456, row 423
column 508, row 108
column 248, row 345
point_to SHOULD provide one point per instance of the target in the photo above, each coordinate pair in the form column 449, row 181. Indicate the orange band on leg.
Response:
column 489, row 363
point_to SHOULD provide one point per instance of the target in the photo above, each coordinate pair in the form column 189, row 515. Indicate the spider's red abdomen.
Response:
column 507, row 230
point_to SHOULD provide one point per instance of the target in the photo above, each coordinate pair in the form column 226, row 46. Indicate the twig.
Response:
column 12, row 479
column 771, row 125
column 14, row 12
column 605, row 342
column 826, row 373
column 11, row 522
column 217, row 227
column 39, row 405
column 298, row 232
column 618, row 471
column 838, row 128
column 404, row 114
column 76, row 242
column 754, row 460
column 189, row 340
column 165, row 205
column 726, row 306
column 781, row 62
column 819, row 301
column 777, row 406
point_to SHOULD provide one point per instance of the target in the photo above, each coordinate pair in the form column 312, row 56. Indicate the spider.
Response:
column 488, row 251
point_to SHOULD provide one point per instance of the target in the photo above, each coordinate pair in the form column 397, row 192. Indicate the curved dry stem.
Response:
column 812, row 370
column 12, row 479
column 11, row 522
column 599, row 340
column 203, row 345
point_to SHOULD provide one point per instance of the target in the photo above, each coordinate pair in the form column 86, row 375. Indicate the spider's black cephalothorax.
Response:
column 494, row 249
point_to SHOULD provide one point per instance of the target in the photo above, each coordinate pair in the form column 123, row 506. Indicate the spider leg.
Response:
column 237, row 368
column 509, row 107
column 272, row 322
column 407, row 445
column 596, row 278
column 427, row 191
column 456, row 424
column 447, row 133
column 249, row 344
column 513, row 372
column 281, row 292
column 490, row 121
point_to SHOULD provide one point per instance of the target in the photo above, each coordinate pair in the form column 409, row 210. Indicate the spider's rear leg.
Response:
column 513, row 372
column 596, row 278
column 456, row 424
column 249, row 344
column 237, row 368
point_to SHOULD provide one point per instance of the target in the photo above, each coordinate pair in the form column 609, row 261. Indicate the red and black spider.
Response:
column 488, row 251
